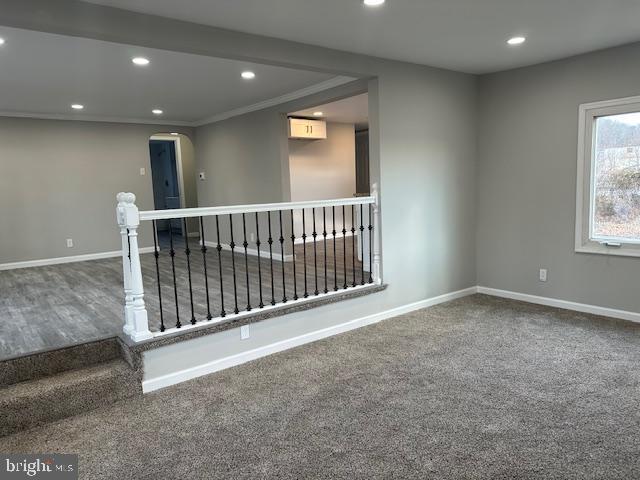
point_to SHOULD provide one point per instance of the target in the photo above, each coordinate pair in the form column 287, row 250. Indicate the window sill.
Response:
column 610, row 251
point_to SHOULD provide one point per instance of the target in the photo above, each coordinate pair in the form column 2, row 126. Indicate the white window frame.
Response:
column 585, row 185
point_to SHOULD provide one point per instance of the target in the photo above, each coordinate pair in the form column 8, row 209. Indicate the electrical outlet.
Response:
column 244, row 332
column 69, row 242
column 143, row 171
column 202, row 176
column 543, row 274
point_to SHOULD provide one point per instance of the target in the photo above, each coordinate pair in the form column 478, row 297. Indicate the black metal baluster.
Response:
column 203, row 249
column 353, row 242
column 370, row 245
column 219, row 249
column 344, row 248
column 324, row 235
column 245, row 244
column 270, row 241
column 315, row 251
column 304, row 253
column 233, row 266
column 187, row 252
column 361, row 245
column 335, row 259
column 156, row 254
column 172, row 253
column 258, row 243
column 293, row 250
column 284, row 285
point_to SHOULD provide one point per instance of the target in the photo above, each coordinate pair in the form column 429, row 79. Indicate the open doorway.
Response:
column 166, row 184
column 172, row 163
column 334, row 163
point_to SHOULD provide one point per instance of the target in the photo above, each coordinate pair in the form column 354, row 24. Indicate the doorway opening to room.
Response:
column 173, row 180
column 329, row 159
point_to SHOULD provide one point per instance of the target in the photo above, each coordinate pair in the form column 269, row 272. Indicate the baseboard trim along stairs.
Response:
column 173, row 378
column 234, row 360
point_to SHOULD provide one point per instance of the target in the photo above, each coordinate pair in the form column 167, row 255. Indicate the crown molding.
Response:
column 272, row 102
column 94, row 118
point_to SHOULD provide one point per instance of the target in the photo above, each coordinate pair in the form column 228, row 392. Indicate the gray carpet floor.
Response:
column 479, row 388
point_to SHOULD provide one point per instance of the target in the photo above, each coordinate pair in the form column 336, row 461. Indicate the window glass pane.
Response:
column 616, row 202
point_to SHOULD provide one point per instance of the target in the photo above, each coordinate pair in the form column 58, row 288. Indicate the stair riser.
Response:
column 49, row 363
column 32, row 408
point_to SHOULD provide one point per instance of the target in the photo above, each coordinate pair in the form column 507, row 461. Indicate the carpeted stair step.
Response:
column 28, row 404
column 43, row 364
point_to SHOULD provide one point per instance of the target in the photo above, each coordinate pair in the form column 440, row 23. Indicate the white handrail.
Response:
column 136, row 323
column 264, row 207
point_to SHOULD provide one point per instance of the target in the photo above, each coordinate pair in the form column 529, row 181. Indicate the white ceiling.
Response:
column 465, row 35
column 46, row 73
column 348, row 110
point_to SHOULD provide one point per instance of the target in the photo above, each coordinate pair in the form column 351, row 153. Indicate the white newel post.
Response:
column 377, row 277
column 136, row 323
column 126, row 265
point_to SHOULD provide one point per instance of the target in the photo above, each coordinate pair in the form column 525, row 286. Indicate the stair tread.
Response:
column 34, row 402
column 52, row 362
column 66, row 379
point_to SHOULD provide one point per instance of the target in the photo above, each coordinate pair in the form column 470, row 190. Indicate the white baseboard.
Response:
column 238, row 359
column 309, row 239
column 567, row 305
column 250, row 251
column 72, row 259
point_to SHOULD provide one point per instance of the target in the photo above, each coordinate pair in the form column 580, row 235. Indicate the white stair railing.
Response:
column 367, row 234
column 136, row 324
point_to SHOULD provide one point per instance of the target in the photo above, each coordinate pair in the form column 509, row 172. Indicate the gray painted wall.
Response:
column 242, row 160
column 528, row 135
column 245, row 162
column 59, row 179
column 423, row 155
column 323, row 169
column 426, row 166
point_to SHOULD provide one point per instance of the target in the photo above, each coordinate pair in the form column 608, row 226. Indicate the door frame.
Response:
column 165, row 137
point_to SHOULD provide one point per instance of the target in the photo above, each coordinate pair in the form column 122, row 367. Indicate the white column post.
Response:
column 136, row 321
column 126, row 266
column 377, row 275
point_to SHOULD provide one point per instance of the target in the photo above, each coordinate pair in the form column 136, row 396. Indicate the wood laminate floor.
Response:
column 61, row 305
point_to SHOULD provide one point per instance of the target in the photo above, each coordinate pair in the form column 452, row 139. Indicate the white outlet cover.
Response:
column 143, row 171
column 69, row 242
column 543, row 274
column 202, row 176
column 244, row 332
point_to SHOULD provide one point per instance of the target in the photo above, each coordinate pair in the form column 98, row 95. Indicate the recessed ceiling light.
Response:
column 1, row 41
column 248, row 75
column 317, row 114
column 516, row 41
column 140, row 61
column 373, row 3
column 157, row 111
column 77, row 106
